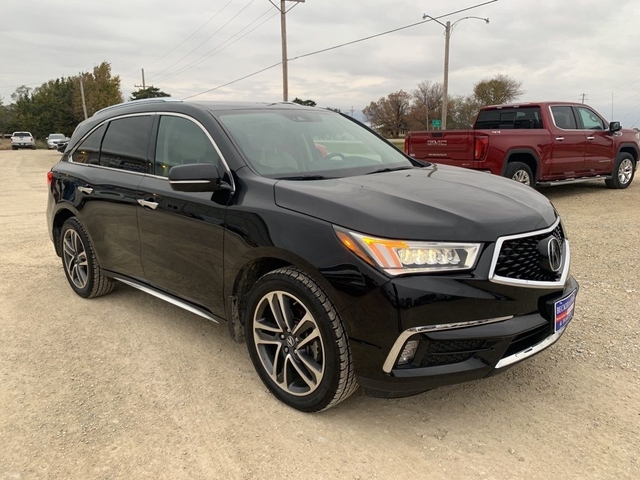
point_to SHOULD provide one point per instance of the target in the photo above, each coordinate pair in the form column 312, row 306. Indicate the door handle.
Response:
column 560, row 139
column 148, row 204
column 591, row 138
column 87, row 190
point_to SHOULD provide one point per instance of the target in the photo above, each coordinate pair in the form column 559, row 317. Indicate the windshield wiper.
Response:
column 389, row 169
column 305, row 177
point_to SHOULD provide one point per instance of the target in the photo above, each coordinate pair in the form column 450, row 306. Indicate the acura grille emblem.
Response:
column 554, row 255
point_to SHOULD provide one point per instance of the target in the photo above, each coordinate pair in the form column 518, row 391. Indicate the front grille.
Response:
column 528, row 339
column 446, row 352
column 519, row 258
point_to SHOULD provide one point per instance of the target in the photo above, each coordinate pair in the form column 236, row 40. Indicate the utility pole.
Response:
column 448, row 28
column 445, row 84
column 583, row 95
column 611, row 107
column 144, row 86
column 352, row 110
column 84, row 103
column 283, row 32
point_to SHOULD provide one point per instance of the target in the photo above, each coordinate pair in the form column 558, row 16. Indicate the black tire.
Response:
column 304, row 299
column 13, row 147
column 95, row 284
column 33, row 147
column 520, row 172
column 623, row 172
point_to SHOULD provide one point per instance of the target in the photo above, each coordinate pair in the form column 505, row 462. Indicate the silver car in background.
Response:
column 56, row 138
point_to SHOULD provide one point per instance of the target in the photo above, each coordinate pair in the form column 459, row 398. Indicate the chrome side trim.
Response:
column 178, row 182
column 538, row 347
column 169, row 299
column 531, row 283
column 404, row 336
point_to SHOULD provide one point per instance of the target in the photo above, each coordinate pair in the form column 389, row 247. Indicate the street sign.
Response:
column 436, row 123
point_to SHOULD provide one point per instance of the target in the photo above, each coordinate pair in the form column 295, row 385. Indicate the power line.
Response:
column 344, row 45
column 190, row 36
column 206, row 40
column 213, row 52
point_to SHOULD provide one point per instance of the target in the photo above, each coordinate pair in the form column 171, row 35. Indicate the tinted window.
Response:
column 56, row 135
column 125, row 144
column 181, row 142
column 22, row 134
column 292, row 143
column 590, row 121
column 509, row 118
column 563, row 118
column 89, row 149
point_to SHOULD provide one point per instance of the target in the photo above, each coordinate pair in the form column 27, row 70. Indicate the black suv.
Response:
column 340, row 260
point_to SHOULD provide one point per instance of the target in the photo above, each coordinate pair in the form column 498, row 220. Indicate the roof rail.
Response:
column 144, row 100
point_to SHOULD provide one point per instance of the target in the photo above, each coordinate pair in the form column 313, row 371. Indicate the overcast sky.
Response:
column 558, row 49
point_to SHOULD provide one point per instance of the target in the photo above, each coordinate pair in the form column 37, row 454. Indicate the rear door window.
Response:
column 89, row 150
column 126, row 144
column 563, row 118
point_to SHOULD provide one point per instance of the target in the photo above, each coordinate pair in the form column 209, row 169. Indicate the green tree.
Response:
column 497, row 90
column 149, row 92
column 462, row 112
column 308, row 103
column 389, row 114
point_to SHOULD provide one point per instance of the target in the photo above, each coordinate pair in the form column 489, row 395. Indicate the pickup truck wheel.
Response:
column 623, row 172
column 13, row 147
column 520, row 172
column 297, row 342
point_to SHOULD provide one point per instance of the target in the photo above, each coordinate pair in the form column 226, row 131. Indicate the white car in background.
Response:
column 55, row 139
column 22, row 140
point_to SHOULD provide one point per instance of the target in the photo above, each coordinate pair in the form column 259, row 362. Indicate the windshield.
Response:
column 56, row 135
column 309, row 145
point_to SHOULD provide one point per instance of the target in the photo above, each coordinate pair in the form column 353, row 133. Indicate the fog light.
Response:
column 408, row 352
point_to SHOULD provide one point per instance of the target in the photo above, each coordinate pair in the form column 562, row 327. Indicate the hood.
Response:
column 435, row 203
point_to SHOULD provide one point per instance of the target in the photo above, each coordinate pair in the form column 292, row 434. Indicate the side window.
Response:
column 590, row 121
column 126, row 143
column 563, row 118
column 181, row 142
column 89, row 150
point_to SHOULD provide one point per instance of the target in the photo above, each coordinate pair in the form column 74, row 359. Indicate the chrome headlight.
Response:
column 397, row 257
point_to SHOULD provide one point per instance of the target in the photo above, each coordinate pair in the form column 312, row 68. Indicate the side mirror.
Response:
column 195, row 177
column 615, row 127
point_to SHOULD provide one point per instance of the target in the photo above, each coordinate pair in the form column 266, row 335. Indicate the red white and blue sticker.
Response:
column 564, row 311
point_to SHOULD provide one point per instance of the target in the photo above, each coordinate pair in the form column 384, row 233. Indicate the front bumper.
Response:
column 466, row 330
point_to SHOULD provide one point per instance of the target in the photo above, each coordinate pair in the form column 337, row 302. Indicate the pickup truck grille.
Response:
column 519, row 258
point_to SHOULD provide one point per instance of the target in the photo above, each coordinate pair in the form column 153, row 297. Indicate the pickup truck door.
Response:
column 567, row 158
column 600, row 150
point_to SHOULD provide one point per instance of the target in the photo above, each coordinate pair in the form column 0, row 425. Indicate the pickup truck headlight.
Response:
column 397, row 257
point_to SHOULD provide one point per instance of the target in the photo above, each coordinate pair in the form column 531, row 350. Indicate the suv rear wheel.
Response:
column 80, row 263
column 297, row 342
column 623, row 172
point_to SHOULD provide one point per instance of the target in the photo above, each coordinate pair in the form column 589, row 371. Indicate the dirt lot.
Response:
column 127, row 386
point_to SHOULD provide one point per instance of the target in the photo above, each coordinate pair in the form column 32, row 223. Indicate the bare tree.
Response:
column 426, row 106
column 389, row 114
column 497, row 90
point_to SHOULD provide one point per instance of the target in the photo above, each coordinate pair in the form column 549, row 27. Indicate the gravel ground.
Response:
column 127, row 386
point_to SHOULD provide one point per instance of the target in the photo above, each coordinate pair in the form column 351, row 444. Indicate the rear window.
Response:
column 509, row 118
column 21, row 134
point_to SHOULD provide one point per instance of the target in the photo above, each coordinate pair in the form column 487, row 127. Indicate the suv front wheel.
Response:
column 297, row 342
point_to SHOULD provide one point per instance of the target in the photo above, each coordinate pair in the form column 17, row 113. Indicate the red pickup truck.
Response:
column 547, row 143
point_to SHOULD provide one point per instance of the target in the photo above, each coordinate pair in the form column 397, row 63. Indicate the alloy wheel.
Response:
column 75, row 258
column 289, row 343
column 625, row 171
column 522, row 177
